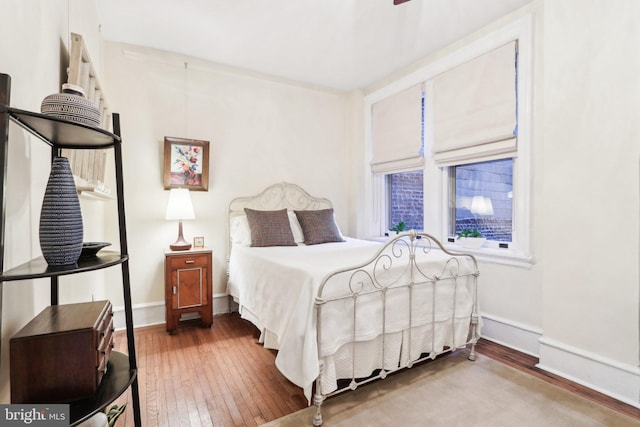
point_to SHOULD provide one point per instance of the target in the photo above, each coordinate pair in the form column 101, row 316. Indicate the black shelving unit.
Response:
column 59, row 134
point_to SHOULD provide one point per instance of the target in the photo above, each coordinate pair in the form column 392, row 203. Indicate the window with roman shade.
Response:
column 396, row 126
column 474, row 109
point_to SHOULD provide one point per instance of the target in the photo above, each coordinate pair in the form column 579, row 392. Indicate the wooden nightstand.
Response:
column 187, row 285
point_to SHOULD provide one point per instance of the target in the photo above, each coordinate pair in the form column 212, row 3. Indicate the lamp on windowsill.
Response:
column 180, row 208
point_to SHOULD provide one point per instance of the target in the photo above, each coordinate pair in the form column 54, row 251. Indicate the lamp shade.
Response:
column 481, row 205
column 179, row 206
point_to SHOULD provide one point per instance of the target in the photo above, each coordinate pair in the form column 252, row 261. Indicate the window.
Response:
column 477, row 115
column 476, row 143
column 398, row 158
column 405, row 199
column 481, row 196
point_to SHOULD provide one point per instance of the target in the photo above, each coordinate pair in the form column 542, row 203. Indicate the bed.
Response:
column 341, row 311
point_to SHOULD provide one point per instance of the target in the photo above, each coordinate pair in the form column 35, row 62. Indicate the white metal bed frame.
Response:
column 401, row 256
column 396, row 265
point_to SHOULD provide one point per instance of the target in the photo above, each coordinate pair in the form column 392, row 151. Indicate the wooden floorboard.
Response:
column 221, row 376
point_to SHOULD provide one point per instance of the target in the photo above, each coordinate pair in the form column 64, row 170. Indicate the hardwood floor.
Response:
column 222, row 377
column 208, row 377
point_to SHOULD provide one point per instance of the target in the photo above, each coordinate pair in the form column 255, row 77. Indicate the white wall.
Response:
column 261, row 131
column 34, row 41
column 591, row 191
column 591, row 175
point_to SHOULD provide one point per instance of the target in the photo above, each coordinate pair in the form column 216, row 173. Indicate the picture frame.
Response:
column 186, row 163
column 198, row 242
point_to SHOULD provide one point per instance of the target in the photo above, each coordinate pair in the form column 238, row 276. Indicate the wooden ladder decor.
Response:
column 82, row 73
column 88, row 166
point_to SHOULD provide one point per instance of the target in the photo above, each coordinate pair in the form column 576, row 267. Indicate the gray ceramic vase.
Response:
column 61, row 230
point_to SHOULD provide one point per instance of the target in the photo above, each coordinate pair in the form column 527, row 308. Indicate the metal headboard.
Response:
column 279, row 196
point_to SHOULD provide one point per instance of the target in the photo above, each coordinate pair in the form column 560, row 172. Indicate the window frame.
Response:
column 518, row 252
column 388, row 197
column 451, row 208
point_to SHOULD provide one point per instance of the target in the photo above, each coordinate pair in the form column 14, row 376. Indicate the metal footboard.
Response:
column 415, row 289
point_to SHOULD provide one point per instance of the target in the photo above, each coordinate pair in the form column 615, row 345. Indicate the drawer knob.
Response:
column 190, row 261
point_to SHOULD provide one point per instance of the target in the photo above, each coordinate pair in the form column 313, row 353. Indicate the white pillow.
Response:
column 240, row 231
column 296, row 229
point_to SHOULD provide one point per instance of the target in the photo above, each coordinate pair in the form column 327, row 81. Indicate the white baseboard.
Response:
column 511, row 334
column 143, row 315
column 221, row 304
column 153, row 313
column 615, row 379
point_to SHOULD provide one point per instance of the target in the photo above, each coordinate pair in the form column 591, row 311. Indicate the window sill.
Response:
column 496, row 256
column 508, row 257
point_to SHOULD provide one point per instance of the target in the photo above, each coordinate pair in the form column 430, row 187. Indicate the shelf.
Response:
column 118, row 378
column 38, row 267
column 93, row 192
column 62, row 133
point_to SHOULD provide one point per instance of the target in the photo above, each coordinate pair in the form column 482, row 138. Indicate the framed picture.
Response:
column 198, row 242
column 186, row 164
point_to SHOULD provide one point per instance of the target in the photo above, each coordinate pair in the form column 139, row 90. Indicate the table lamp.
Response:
column 180, row 207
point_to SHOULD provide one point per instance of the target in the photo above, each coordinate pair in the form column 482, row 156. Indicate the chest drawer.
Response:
column 62, row 354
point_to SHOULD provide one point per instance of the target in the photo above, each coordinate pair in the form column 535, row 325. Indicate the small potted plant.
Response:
column 399, row 227
column 471, row 238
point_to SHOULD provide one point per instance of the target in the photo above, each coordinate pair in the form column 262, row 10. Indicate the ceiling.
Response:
column 339, row 44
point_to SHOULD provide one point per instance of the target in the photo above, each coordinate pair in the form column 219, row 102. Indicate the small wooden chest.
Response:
column 62, row 354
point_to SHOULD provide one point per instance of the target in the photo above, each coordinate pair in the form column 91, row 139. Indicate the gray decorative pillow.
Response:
column 269, row 228
column 319, row 226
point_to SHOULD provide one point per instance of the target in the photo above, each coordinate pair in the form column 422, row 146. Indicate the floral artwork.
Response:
column 186, row 163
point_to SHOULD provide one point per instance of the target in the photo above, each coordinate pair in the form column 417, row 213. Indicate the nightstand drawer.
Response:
column 188, row 261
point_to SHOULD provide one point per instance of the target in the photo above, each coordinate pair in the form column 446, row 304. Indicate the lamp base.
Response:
column 180, row 244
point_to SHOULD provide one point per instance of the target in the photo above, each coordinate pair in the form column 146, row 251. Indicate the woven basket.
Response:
column 71, row 105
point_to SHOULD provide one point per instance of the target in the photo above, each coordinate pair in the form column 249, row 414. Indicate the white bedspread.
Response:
column 276, row 289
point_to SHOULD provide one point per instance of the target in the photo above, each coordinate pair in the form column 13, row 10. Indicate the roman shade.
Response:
column 396, row 127
column 475, row 109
